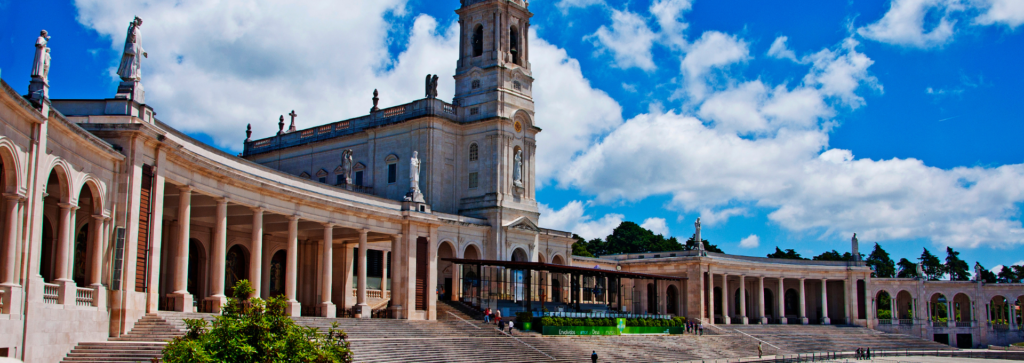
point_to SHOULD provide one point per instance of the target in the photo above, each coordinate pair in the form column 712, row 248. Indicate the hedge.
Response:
column 560, row 321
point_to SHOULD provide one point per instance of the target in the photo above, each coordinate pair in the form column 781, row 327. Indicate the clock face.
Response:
column 519, row 126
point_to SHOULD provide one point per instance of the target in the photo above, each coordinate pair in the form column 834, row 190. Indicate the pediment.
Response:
column 523, row 223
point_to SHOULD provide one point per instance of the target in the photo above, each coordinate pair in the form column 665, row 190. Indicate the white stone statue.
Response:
column 920, row 271
column 977, row 271
column 517, row 169
column 696, row 236
column 130, row 69
column 41, row 62
column 346, row 166
column 414, row 194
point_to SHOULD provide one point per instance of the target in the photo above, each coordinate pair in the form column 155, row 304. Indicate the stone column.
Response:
column 892, row 310
column 726, row 300
column 10, row 244
column 846, row 302
column 182, row 299
column 256, row 254
column 99, row 295
column 292, row 268
column 951, row 315
column 396, row 303
column 361, row 307
column 760, row 299
column 711, row 298
column 67, row 289
column 824, row 302
column 219, row 256
column 327, row 308
column 781, row 307
column 743, row 300
column 803, row 304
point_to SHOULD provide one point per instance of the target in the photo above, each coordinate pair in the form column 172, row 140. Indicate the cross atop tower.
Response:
column 292, row 127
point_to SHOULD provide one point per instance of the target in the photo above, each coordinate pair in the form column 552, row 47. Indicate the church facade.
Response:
column 109, row 214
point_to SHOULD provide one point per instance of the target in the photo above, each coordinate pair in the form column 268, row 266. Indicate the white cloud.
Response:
column 710, row 217
column 751, row 241
column 571, row 112
column 572, row 218
column 714, row 50
column 656, row 225
column 565, row 5
column 780, row 50
column 904, row 24
column 1005, row 12
column 213, row 67
column 669, row 15
column 712, row 163
column 629, row 40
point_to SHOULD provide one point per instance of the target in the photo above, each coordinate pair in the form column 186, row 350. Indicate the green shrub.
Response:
column 254, row 330
column 522, row 317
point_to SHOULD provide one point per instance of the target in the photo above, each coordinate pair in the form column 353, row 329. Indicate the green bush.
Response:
column 648, row 322
column 254, row 330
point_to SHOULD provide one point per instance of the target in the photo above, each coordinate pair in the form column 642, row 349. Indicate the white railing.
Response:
column 906, row 321
column 963, row 324
column 84, row 296
column 50, row 292
column 374, row 294
column 884, row 321
column 939, row 324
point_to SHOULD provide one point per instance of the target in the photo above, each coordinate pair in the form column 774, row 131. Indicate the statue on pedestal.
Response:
column 697, row 238
column 346, row 167
column 977, row 271
column 854, row 248
column 517, row 169
column 38, row 87
column 130, row 68
column 414, row 194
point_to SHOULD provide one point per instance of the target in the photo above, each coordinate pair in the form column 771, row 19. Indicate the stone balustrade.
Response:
column 85, row 296
column 50, row 293
column 374, row 294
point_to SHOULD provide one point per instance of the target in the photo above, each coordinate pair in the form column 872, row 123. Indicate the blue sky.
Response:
column 787, row 124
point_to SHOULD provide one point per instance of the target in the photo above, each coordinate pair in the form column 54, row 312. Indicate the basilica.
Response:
column 110, row 214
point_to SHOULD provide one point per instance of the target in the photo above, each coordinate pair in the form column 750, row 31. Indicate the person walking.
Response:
column 759, row 351
column 497, row 315
column 487, row 316
column 501, row 325
column 511, row 324
column 593, row 356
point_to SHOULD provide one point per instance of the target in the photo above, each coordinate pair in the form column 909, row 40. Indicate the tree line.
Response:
column 630, row 237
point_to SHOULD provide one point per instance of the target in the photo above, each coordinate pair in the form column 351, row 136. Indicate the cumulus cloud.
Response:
column 656, row 225
column 780, row 50
column 629, row 40
column 751, row 241
column 754, row 145
column 565, row 5
column 713, row 50
column 904, row 24
column 571, row 112
column 213, row 67
column 572, row 218
column 1005, row 12
column 669, row 16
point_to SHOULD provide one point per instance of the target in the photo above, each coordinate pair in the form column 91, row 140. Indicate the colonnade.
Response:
column 739, row 282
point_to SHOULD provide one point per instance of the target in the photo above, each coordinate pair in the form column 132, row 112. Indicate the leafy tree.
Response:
column 933, row 268
column 833, row 255
column 253, row 330
column 789, row 254
column 1011, row 274
column 907, row 269
column 691, row 244
column 955, row 267
column 987, row 275
column 881, row 263
column 1018, row 272
column 580, row 247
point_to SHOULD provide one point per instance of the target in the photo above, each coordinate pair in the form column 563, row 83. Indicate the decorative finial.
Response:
column 292, row 127
column 375, row 100
column 248, row 132
column 280, row 125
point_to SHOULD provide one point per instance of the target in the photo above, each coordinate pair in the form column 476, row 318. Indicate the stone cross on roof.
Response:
column 293, row 115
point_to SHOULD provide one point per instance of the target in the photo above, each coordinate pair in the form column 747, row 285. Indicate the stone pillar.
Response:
column 10, row 244
column 67, row 290
column 781, row 307
column 760, row 299
column 892, row 310
column 803, row 303
column 824, row 302
column 361, row 307
column 846, row 302
column 96, row 262
column 219, row 256
column 396, row 303
column 182, row 299
column 327, row 308
column 726, row 300
column 292, row 268
column 711, row 298
column 951, row 315
column 743, row 300
column 256, row 255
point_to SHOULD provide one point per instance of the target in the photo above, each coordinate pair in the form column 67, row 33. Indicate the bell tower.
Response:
column 493, row 77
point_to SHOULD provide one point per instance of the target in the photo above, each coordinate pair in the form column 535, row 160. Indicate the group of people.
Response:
column 495, row 315
column 863, row 353
column 694, row 328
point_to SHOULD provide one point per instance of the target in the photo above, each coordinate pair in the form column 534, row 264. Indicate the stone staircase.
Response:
column 816, row 338
column 143, row 343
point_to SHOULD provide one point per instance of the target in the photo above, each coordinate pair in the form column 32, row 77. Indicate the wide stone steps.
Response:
column 809, row 338
column 115, row 352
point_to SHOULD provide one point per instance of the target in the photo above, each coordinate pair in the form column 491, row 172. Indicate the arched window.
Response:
column 392, row 162
column 476, row 83
column 478, row 40
column 474, row 152
column 513, row 42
